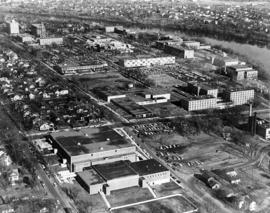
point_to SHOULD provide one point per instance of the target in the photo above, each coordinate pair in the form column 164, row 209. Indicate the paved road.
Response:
column 54, row 192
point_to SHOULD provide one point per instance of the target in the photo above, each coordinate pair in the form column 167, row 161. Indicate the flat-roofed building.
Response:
column 192, row 44
column 161, row 44
column 92, row 146
column 199, row 103
column 38, row 30
column 241, row 72
column 146, row 61
column 50, row 41
column 108, row 93
column 122, row 174
column 118, row 175
column 132, row 108
column 202, row 89
column 25, row 37
column 151, row 172
column 195, row 103
column 224, row 61
column 179, row 51
column 239, row 96
column 91, row 181
column 72, row 67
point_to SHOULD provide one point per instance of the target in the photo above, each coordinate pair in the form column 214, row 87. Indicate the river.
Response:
column 259, row 55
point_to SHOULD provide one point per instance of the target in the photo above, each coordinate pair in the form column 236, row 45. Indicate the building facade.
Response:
column 239, row 97
column 146, row 62
column 38, row 30
column 13, row 27
column 179, row 51
column 202, row 89
column 82, row 149
column 241, row 72
column 50, row 41
column 263, row 128
column 199, row 103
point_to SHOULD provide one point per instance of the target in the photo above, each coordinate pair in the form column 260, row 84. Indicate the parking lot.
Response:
column 150, row 129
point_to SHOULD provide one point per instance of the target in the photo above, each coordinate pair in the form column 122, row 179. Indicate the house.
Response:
column 14, row 176
column 6, row 208
column 230, row 175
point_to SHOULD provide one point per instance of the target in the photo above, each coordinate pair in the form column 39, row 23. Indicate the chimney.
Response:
column 250, row 109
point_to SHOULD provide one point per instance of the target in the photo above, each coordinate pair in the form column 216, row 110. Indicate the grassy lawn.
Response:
column 128, row 196
column 170, row 205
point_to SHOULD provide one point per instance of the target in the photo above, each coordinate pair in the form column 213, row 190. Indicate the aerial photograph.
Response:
column 134, row 106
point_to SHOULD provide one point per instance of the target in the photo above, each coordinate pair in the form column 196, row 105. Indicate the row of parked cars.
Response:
column 150, row 129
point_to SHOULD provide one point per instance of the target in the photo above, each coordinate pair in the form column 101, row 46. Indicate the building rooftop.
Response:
column 89, row 140
column 132, row 57
column 90, row 176
column 131, row 106
column 203, row 85
column 146, row 167
column 114, row 170
column 38, row 25
column 240, row 67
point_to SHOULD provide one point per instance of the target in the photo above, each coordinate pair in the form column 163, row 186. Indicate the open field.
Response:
column 212, row 151
column 166, row 109
column 167, row 189
column 128, row 196
column 97, row 204
column 91, row 81
column 168, row 205
column 256, row 183
column 165, row 80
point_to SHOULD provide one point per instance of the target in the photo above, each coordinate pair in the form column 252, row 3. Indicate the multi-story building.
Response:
column 38, row 30
column 241, row 72
column 192, row 44
column 202, row 89
column 50, row 41
column 91, row 146
column 224, row 61
column 146, row 61
column 13, row 27
column 179, row 51
column 197, row 103
column 239, row 96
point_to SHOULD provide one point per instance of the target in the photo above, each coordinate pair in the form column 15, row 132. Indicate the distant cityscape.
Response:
column 99, row 113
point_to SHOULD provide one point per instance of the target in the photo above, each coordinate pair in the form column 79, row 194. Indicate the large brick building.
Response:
column 91, row 146
column 122, row 174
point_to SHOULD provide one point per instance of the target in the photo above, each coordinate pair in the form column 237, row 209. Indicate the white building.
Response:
column 25, row 37
column 13, row 27
column 146, row 61
column 50, row 41
column 240, row 97
column 151, row 172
